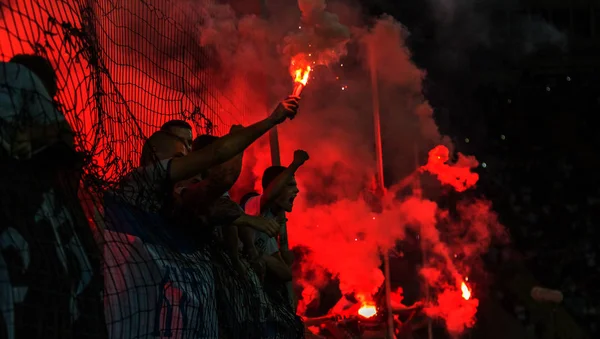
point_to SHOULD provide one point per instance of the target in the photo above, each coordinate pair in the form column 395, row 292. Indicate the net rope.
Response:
column 79, row 259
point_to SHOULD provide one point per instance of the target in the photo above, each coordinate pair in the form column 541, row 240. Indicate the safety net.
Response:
column 81, row 256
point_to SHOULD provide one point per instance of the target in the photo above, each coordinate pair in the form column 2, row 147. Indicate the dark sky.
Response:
column 529, row 118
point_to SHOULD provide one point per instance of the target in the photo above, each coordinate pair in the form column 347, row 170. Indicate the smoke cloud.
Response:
column 203, row 61
column 321, row 39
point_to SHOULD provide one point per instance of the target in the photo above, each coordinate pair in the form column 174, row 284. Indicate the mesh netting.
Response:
column 80, row 258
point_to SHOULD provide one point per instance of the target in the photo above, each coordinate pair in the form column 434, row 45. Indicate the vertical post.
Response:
column 380, row 183
column 418, row 193
column 273, row 136
column 593, row 22
column 275, row 155
column 274, row 146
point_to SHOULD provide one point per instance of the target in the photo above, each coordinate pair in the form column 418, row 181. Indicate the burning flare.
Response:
column 300, row 75
column 456, row 305
column 367, row 310
column 466, row 293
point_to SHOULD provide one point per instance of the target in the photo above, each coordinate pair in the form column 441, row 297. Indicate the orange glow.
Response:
column 466, row 293
column 301, row 75
column 300, row 70
column 367, row 310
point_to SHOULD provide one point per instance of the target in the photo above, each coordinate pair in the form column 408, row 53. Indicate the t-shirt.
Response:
column 50, row 265
column 157, row 283
column 241, row 303
column 264, row 244
column 268, row 246
column 149, row 188
column 23, row 101
column 223, row 213
column 209, row 211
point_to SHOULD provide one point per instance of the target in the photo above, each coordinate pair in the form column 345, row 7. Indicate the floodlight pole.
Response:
column 381, row 186
column 275, row 152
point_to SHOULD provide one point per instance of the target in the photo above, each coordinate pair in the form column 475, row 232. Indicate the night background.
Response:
column 530, row 118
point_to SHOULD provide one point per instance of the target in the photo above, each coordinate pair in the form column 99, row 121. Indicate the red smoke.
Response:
column 320, row 39
column 162, row 69
column 334, row 217
column 458, row 313
column 458, row 175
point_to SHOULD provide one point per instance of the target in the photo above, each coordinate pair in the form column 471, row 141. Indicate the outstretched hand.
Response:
column 286, row 109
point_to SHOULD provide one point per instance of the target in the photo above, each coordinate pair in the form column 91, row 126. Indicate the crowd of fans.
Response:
column 166, row 253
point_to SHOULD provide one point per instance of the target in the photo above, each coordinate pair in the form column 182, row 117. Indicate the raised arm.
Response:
column 219, row 180
column 258, row 223
column 278, row 267
column 230, row 145
column 201, row 194
column 272, row 191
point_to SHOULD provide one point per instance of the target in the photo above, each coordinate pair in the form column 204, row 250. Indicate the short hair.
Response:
column 175, row 124
column 41, row 67
column 153, row 144
column 270, row 174
column 202, row 141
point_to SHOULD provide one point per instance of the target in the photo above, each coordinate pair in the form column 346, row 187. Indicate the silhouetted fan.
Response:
column 51, row 280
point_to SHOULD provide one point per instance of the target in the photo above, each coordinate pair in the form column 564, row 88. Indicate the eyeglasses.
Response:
column 186, row 143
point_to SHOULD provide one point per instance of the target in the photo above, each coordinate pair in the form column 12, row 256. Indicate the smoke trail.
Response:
column 321, row 38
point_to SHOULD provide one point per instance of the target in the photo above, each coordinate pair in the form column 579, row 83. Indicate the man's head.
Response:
column 180, row 129
column 160, row 146
column 41, row 67
column 285, row 199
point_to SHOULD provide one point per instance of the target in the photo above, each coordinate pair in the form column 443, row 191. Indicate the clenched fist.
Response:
column 300, row 156
column 286, row 109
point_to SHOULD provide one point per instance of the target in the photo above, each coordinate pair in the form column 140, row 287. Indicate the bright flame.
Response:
column 301, row 75
column 466, row 293
column 300, row 71
column 367, row 310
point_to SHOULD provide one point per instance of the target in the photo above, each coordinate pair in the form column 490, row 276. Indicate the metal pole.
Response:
column 380, row 182
column 274, row 145
column 275, row 153
column 418, row 193
column 273, row 136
